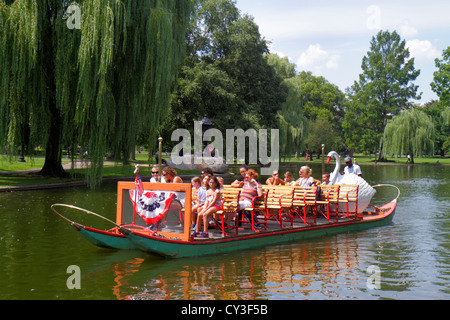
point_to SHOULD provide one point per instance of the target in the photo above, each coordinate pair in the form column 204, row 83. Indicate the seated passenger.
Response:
column 202, row 190
column 275, row 180
column 155, row 175
column 250, row 189
column 305, row 179
column 239, row 182
column 170, row 175
column 211, row 206
column 326, row 179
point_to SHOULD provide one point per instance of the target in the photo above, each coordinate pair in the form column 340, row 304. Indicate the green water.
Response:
column 412, row 253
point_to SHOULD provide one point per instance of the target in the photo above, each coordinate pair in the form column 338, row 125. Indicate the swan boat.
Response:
column 174, row 239
column 365, row 191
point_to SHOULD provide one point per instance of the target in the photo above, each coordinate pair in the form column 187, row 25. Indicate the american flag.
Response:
column 139, row 186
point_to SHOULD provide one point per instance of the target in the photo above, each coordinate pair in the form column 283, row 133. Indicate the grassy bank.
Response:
column 118, row 170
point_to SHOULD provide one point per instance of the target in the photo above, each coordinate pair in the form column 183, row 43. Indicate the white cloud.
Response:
column 407, row 31
column 315, row 59
column 422, row 50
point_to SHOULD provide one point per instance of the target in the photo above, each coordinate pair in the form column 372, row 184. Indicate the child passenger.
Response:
column 202, row 190
column 211, row 206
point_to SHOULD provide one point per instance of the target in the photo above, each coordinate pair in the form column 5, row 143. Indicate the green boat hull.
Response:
column 182, row 249
column 105, row 239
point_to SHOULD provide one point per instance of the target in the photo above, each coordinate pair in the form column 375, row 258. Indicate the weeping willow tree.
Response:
column 97, row 86
column 411, row 132
column 129, row 56
column 292, row 124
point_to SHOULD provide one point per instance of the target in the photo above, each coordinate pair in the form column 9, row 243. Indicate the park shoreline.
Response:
column 83, row 183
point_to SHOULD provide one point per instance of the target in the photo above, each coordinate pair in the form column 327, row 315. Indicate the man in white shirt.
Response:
column 155, row 174
column 352, row 167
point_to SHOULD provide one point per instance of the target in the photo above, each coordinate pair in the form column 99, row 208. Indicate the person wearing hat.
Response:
column 352, row 167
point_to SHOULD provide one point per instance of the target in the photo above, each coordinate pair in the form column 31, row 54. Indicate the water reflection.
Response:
column 308, row 270
column 36, row 248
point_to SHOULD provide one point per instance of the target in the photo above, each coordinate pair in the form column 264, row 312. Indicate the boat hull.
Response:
column 180, row 249
column 106, row 239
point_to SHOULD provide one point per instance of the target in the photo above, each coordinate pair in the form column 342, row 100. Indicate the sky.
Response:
column 330, row 38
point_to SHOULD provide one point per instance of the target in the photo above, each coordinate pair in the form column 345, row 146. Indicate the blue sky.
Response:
column 330, row 38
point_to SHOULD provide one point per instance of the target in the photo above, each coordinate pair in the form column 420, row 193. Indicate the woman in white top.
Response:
column 305, row 180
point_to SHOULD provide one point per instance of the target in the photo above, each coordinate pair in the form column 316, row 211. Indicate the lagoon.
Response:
column 412, row 253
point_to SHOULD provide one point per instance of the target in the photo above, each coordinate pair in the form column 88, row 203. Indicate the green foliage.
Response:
column 96, row 87
column 411, row 132
column 384, row 88
column 292, row 124
column 283, row 68
column 322, row 131
column 441, row 83
column 226, row 75
column 204, row 89
column 320, row 99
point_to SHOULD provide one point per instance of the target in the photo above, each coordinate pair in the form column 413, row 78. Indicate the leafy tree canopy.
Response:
column 384, row 88
column 441, row 83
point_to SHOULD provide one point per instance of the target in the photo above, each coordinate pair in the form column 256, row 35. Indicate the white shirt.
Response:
column 355, row 169
column 152, row 179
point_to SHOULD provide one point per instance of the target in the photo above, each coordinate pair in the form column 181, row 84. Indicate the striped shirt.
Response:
column 249, row 191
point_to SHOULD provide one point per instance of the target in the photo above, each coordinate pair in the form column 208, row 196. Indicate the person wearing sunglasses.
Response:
column 170, row 175
column 275, row 180
column 155, row 175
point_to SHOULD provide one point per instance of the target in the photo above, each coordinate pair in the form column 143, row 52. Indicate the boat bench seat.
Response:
column 329, row 201
column 229, row 205
column 279, row 203
column 287, row 203
column 348, row 194
column 304, row 203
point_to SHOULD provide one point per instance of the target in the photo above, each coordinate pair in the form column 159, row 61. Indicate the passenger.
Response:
column 289, row 178
column 221, row 181
column 202, row 191
column 305, row 180
column 206, row 171
column 251, row 188
column 211, row 206
column 155, row 175
column 275, row 180
column 326, row 179
column 352, row 167
column 239, row 182
column 196, row 182
column 170, row 175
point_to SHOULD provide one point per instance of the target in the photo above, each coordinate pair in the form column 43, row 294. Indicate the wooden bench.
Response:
column 229, row 206
column 258, row 207
column 348, row 194
column 279, row 203
column 286, row 203
column 305, row 200
column 329, row 199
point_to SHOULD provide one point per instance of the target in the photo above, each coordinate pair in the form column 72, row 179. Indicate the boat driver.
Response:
column 352, row 167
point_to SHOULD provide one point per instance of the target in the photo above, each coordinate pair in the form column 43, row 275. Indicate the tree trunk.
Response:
column 53, row 164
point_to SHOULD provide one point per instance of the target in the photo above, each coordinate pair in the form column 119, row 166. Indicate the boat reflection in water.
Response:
column 312, row 269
